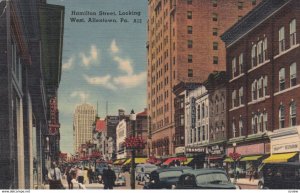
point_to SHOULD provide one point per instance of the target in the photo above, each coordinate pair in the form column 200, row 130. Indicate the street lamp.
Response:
column 234, row 162
column 132, row 118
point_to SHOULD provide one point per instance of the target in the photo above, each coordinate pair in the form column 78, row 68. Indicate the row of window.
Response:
column 281, row 36
column 199, row 135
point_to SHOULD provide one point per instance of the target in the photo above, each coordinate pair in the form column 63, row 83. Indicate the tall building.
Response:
column 83, row 120
column 264, row 89
column 184, row 45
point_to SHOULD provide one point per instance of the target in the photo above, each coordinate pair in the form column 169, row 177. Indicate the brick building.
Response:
column 183, row 45
column 263, row 89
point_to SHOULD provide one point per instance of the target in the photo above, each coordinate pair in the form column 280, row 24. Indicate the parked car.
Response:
column 142, row 169
column 279, row 176
column 165, row 178
column 205, row 179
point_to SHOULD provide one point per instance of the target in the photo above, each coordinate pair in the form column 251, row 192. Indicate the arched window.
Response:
column 281, row 116
column 293, row 113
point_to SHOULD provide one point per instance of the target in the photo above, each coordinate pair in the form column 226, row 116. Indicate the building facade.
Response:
column 263, row 88
column 83, row 120
column 121, row 134
column 183, row 45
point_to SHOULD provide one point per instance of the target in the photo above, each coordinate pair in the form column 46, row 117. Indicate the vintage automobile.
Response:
column 142, row 169
column 279, row 176
column 165, row 178
column 205, row 179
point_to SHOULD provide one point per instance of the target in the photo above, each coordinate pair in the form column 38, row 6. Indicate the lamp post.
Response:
column 234, row 162
column 132, row 175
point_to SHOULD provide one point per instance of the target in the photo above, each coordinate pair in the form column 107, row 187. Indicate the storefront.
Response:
column 285, row 145
column 216, row 155
column 198, row 155
column 250, row 160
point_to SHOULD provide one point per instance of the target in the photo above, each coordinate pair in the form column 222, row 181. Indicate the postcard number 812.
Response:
column 137, row 21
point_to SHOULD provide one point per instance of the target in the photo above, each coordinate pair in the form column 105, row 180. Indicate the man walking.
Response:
column 54, row 176
column 109, row 178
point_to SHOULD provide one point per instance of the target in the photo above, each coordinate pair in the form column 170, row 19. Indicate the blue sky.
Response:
column 102, row 61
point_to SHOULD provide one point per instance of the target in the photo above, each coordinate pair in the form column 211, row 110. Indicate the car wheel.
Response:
column 260, row 185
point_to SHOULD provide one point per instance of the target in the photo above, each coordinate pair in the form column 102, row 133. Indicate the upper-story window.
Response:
column 241, row 95
column 189, row 29
column 293, row 113
column 233, row 96
column 203, row 110
column 215, row 17
column 265, row 47
column 190, row 43
column 265, row 117
column 233, row 63
column 293, row 74
column 254, row 123
column 233, row 129
column 253, row 55
column 189, row 15
column 241, row 63
column 214, row 3
column 259, row 52
column 265, row 84
column 260, row 87
column 198, row 112
column 293, row 38
column 281, row 40
column 253, row 90
column 281, row 116
column 281, row 79
column 240, row 126
column 189, row 2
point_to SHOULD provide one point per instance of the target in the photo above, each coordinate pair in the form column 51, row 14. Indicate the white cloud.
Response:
column 69, row 64
column 92, row 58
column 124, row 64
column 130, row 81
column 81, row 94
column 104, row 81
column 113, row 47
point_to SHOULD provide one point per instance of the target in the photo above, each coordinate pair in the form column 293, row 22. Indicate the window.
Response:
column 181, row 120
column 260, row 122
column 189, row 15
column 253, row 2
column 215, row 59
column 260, row 87
column 265, row 126
column 240, row 17
column 233, row 129
column 281, row 116
column 265, row 47
column 215, row 45
column 241, row 61
column 203, row 133
column 253, row 55
column 202, row 110
column 198, row 112
column 190, row 58
column 215, row 17
column 281, row 40
column 233, row 63
column 293, row 114
column 240, row 127
column 189, row 29
column 190, row 43
column 215, row 31
column 190, row 73
column 259, row 52
column 253, row 90
column 199, row 134
column 189, row 2
column 240, row 5
column 265, row 86
column 281, row 79
column 293, row 75
column 214, row 3
column 241, row 94
column 293, row 33
column 233, row 96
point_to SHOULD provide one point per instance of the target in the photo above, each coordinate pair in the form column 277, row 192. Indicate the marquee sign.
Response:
column 195, row 149
column 53, row 124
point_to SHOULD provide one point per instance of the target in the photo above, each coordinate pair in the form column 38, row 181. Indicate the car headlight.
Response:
column 237, row 187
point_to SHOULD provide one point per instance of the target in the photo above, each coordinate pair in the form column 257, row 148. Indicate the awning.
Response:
column 170, row 160
column 228, row 159
column 215, row 157
column 119, row 161
column 282, row 157
column 251, row 158
column 137, row 161
column 188, row 160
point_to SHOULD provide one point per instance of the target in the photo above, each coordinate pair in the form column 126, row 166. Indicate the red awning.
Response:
column 170, row 160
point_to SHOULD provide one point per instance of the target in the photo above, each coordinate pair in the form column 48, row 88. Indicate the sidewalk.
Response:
column 246, row 181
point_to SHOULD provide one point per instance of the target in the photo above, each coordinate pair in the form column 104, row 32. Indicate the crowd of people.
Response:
column 74, row 175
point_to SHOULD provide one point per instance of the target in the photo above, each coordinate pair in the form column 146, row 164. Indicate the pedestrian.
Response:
column 68, row 173
column 80, row 177
column 90, row 174
column 250, row 175
column 109, row 178
column 54, row 176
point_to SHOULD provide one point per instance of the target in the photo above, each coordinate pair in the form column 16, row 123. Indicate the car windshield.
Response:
column 170, row 174
column 212, row 178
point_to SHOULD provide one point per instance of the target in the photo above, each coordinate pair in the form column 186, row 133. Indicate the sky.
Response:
column 102, row 61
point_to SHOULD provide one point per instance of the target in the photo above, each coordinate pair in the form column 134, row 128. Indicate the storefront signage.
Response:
column 216, row 150
column 285, row 148
column 179, row 150
column 251, row 149
column 195, row 149
column 193, row 112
